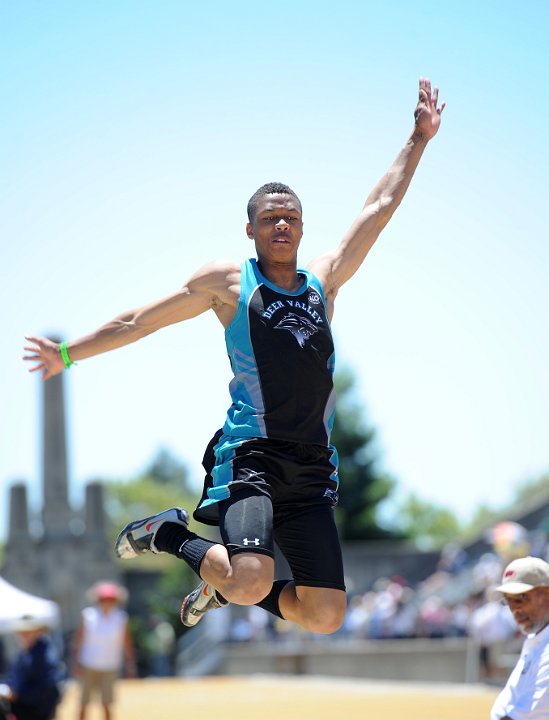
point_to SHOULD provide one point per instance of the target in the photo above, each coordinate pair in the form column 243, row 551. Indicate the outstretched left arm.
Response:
column 336, row 267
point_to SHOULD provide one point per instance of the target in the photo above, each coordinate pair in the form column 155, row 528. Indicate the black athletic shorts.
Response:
column 281, row 492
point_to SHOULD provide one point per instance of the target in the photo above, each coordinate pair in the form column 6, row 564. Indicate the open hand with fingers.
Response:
column 427, row 114
column 45, row 355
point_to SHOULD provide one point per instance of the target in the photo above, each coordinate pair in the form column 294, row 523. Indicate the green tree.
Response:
column 362, row 487
column 483, row 518
column 429, row 525
column 166, row 469
column 528, row 492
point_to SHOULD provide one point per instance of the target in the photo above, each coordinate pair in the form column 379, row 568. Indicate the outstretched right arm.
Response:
column 211, row 287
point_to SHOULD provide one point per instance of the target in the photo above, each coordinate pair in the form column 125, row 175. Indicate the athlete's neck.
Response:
column 282, row 275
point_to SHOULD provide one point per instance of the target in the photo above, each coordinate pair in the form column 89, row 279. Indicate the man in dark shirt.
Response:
column 32, row 685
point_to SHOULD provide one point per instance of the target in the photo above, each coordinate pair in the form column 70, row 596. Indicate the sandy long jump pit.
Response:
column 261, row 697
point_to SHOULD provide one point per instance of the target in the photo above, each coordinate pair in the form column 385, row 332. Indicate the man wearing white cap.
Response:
column 32, row 689
column 525, row 588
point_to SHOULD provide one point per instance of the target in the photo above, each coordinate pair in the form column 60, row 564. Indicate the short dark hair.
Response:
column 271, row 188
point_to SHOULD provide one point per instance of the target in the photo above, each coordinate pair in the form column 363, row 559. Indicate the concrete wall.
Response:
column 445, row 660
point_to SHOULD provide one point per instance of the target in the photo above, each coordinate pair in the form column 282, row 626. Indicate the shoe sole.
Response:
column 196, row 618
column 182, row 613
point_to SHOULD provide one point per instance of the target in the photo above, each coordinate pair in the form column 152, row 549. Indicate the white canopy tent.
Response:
column 15, row 603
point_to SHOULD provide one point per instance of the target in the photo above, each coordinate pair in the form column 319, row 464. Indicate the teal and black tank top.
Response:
column 282, row 356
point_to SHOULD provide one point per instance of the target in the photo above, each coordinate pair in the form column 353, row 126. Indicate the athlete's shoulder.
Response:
column 314, row 278
column 215, row 274
column 219, row 267
column 321, row 268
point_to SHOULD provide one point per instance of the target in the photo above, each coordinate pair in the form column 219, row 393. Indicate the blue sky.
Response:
column 133, row 135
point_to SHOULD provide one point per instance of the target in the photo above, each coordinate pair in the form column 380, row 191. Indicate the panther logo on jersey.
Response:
column 300, row 327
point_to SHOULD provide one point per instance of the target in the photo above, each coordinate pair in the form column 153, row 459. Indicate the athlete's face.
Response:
column 276, row 228
column 530, row 609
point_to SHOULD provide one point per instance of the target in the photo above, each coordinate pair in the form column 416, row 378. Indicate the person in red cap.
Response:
column 101, row 643
column 525, row 588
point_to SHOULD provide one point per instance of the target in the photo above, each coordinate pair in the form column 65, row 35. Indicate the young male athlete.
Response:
column 272, row 472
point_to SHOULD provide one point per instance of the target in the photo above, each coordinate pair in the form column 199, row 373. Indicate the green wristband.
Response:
column 65, row 355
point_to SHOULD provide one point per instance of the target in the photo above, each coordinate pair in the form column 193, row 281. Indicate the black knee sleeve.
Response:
column 246, row 523
column 270, row 601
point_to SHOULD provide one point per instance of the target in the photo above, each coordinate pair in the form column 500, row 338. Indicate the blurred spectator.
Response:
column 404, row 624
column 509, row 540
column 240, row 630
column 161, row 645
column 486, row 572
column 538, row 543
column 383, row 608
column 259, row 623
column 459, row 618
column 101, row 643
column 252, row 624
column 3, row 661
column 32, row 688
column 490, row 625
column 217, row 625
column 434, row 617
column 452, row 559
column 357, row 617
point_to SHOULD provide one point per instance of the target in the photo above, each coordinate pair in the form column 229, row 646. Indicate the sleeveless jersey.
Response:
column 282, row 356
column 103, row 640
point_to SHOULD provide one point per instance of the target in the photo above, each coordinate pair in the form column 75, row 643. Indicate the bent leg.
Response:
column 308, row 538
column 244, row 579
column 243, row 568
column 319, row 610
